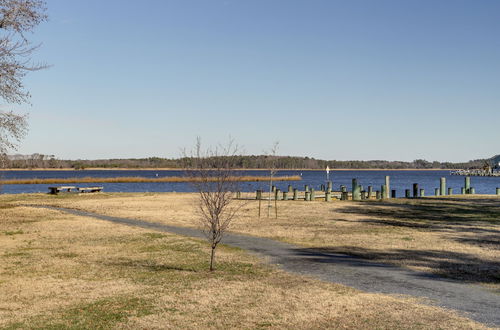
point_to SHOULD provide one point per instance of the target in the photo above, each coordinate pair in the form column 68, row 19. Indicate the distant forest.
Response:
column 254, row 162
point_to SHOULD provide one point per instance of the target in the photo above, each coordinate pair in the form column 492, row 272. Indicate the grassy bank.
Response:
column 64, row 271
column 142, row 179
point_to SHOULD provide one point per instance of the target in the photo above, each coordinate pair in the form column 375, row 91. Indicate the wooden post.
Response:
column 306, row 188
column 393, row 193
column 450, row 191
column 442, row 186
column 467, row 184
column 344, row 195
column 290, row 188
column 383, row 191
column 472, row 190
column 436, row 191
column 328, row 196
column 463, row 191
column 274, row 188
column 238, row 194
column 415, row 190
column 313, row 195
column 258, row 194
column 377, row 194
column 295, row 194
column 322, row 187
column 498, row 191
column 370, row 191
column 307, row 196
column 422, row 192
column 407, row 193
column 363, row 195
column 285, row 195
column 278, row 195
column 329, row 185
column 387, row 186
column 356, row 190
column 343, row 188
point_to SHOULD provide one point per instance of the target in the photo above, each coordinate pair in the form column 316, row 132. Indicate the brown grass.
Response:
column 456, row 238
column 64, row 271
column 142, row 179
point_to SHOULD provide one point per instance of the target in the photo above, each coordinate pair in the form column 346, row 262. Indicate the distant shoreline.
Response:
column 239, row 169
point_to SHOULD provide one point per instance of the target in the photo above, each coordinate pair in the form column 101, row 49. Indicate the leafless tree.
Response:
column 272, row 172
column 17, row 18
column 214, row 173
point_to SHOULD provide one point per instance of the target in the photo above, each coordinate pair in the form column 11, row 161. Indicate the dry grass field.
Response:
column 64, row 271
column 455, row 237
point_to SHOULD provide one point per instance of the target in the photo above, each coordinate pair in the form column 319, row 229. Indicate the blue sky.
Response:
column 397, row 80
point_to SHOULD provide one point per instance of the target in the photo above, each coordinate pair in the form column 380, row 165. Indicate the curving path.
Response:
column 470, row 300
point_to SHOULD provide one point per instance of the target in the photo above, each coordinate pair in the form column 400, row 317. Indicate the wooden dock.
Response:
column 476, row 172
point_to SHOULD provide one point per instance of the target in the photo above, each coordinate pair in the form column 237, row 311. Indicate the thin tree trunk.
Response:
column 270, row 192
column 276, row 207
column 212, row 259
column 260, row 200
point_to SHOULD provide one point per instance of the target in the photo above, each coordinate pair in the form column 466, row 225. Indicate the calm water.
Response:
column 400, row 180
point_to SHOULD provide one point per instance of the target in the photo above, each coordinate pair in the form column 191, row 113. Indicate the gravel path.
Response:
column 470, row 300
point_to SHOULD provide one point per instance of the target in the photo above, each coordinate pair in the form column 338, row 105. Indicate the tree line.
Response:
column 246, row 162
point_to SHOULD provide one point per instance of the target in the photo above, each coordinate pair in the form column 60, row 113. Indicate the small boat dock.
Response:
column 476, row 172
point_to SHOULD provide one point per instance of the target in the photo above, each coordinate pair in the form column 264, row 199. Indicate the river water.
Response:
column 400, row 180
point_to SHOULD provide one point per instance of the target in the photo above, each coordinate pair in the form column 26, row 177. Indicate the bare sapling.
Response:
column 272, row 172
column 213, row 170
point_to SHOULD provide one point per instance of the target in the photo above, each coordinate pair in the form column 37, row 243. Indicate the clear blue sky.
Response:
column 397, row 80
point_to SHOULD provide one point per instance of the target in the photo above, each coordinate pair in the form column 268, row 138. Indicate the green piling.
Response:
column 295, row 194
column 307, row 196
column 407, row 193
column 467, row 184
column 370, row 191
column 422, row 192
column 450, row 191
column 306, row 187
column 285, row 195
column 442, row 186
column 329, row 185
column 313, row 194
column 383, row 191
column 290, row 188
column 258, row 194
column 356, row 190
column 415, row 190
column 463, row 191
column 378, row 194
column 498, row 191
column 436, row 191
column 328, row 196
column 387, row 186
column 472, row 190
column 278, row 195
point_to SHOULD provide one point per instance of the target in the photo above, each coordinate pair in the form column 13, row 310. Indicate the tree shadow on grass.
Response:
column 151, row 266
column 452, row 265
column 434, row 214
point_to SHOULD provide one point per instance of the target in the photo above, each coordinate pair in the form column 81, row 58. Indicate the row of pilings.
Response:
column 358, row 193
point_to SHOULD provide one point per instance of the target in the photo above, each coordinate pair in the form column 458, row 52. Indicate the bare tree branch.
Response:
column 214, row 172
column 17, row 17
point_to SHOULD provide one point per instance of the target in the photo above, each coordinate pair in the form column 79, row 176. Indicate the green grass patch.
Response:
column 101, row 314
column 11, row 233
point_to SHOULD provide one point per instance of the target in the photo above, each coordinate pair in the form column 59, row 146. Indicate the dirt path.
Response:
column 470, row 300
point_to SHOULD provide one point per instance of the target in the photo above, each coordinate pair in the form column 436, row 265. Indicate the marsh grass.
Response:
column 140, row 179
column 70, row 272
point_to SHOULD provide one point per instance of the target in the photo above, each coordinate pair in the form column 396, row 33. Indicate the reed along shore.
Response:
column 247, row 178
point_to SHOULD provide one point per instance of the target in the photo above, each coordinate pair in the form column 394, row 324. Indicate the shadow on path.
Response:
column 474, row 301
